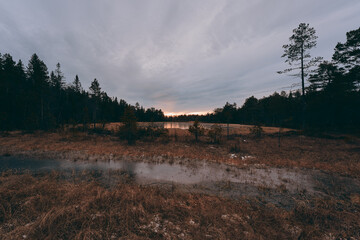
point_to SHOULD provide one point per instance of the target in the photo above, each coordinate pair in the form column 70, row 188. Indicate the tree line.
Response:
column 330, row 101
column 31, row 98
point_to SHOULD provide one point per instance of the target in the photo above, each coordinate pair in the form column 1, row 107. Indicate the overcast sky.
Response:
column 180, row 55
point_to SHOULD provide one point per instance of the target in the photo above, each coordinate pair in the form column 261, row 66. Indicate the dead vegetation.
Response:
column 338, row 154
column 51, row 207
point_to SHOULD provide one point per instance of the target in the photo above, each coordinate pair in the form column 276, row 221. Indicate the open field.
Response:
column 317, row 196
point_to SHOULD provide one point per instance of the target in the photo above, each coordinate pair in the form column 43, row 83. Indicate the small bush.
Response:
column 196, row 129
column 215, row 133
column 257, row 131
column 129, row 129
column 152, row 132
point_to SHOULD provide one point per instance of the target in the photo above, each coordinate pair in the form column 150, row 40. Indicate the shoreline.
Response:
column 329, row 155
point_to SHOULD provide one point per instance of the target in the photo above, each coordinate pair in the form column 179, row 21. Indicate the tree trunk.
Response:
column 303, row 87
column 302, row 71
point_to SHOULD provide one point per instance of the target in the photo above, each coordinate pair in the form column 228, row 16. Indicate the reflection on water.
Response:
column 169, row 125
column 179, row 125
column 279, row 186
column 177, row 173
column 185, row 125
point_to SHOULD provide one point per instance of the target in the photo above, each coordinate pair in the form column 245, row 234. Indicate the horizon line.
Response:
column 174, row 114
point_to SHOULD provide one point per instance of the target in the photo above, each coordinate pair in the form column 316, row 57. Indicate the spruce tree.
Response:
column 37, row 74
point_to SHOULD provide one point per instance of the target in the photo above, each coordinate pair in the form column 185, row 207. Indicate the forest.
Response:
column 31, row 98
column 331, row 100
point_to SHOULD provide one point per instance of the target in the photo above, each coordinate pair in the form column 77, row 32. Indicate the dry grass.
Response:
column 51, row 207
column 332, row 155
column 233, row 128
column 48, row 207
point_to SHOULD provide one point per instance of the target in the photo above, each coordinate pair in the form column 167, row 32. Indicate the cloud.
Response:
column 181, row 56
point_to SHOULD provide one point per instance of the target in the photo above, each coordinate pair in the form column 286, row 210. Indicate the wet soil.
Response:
column 279, row 186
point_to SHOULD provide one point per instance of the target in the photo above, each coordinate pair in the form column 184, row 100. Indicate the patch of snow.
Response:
column 246, row 157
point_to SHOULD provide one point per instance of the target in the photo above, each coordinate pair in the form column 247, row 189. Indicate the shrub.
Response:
column 196, row 129
column 128, row 130
column 215, row 133
column 152, row 132
column 256, row 131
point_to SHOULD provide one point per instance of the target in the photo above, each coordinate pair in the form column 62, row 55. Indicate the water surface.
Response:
column 274, row 184
column 197, row 173
column 186, row 125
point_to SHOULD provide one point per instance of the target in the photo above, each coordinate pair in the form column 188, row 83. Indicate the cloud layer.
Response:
column 181, row 56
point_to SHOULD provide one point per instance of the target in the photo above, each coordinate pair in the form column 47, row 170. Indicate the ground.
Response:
column 339, row 154
column 49, row 205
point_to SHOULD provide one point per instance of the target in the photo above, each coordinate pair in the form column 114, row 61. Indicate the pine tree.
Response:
column 19, row 95
column 57, row 78
column 95, row 93
column 297, row 52
column 95, row 89
column 325, row 75
column 348, row 53
column 77, row 85
column 298, row 56
column 347, row 58
column 7, row 88
column 37, row 74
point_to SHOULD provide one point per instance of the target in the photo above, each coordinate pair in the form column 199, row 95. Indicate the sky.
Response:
column 188, row 56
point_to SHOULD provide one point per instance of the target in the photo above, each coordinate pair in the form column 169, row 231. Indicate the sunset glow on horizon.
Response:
column 171, row 114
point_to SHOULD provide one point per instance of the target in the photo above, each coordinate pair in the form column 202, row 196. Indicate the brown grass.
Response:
column 51, row 207
column 333, row 155
column 233, row 128
column 48, row 207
